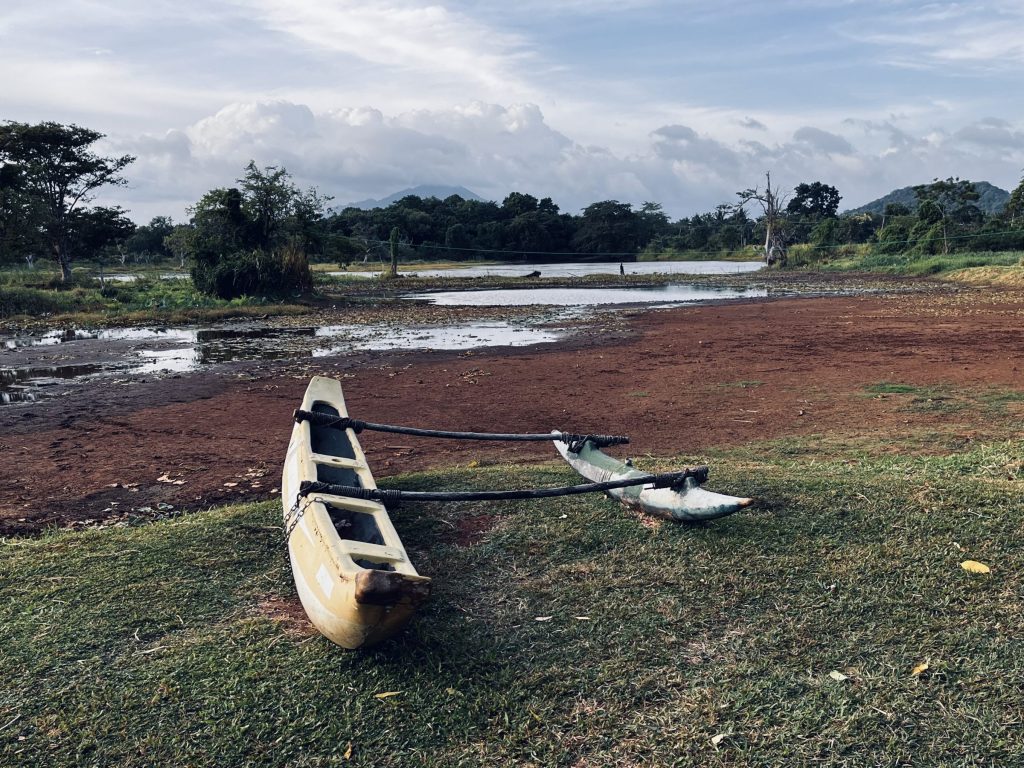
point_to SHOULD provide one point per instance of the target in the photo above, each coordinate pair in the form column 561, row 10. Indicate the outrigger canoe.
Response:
column 351, row 571
column 687, row 503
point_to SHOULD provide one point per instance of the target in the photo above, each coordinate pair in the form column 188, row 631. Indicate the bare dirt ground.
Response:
column 678, row 381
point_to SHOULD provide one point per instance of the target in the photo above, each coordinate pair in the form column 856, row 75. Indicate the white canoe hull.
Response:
column 351, row 571
column 690, row 504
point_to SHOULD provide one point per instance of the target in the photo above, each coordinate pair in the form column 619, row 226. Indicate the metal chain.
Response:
column 295, row 515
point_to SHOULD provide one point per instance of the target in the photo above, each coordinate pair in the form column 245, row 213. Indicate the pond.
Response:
column 663, row 295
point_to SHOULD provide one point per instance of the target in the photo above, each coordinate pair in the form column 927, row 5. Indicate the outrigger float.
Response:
column 685, row 502
column 352, row 573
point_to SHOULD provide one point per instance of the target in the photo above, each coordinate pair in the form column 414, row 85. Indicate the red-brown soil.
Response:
column 677, row 381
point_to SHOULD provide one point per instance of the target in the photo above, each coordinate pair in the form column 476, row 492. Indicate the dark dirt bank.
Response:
column 678, row 381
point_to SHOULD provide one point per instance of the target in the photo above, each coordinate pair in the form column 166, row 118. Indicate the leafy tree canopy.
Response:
column 814, row 201
column 58, row 173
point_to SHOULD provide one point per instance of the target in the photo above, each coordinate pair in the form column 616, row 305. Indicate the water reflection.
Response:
column 125, row 277
column 665, row 295
column 22, row 385
column 64, row 336
column 469, row 336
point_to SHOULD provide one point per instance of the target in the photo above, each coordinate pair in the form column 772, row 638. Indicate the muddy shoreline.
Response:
column 679, row 381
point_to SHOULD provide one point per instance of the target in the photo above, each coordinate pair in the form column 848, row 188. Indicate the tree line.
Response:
column 260, row 233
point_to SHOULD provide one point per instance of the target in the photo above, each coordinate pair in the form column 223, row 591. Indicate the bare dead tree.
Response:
column 771, row 201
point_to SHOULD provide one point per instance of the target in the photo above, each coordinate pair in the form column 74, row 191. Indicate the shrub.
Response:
column 19, row 300
column 253, row 273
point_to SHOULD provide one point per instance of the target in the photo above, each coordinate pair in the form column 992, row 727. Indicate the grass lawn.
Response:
column 863, row 258
column 37, row 297
column 831, row 625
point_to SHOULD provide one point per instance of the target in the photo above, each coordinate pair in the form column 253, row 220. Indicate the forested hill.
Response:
column 991, row 199
column 423, row 190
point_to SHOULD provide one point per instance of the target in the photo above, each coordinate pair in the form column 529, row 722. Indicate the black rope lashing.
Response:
column 328, row 420
column 675, row 480
column 344, row 422
column 580, row 441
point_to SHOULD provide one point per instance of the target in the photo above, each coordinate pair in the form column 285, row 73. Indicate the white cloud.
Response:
column 357, row 152
column 428, row 40
column 818, row 140
column 987, row 35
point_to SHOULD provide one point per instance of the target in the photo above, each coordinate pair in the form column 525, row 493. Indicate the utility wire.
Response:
column 621, row 254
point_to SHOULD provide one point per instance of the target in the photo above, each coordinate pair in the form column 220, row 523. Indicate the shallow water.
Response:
column 127, row 277
column 664, row 295
column 156, row 351
column 469, row 336
column 580, row 269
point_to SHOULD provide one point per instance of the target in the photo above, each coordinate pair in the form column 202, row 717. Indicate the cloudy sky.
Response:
column 682, row 102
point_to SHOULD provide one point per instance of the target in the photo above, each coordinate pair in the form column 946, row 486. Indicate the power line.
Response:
column 621, row 254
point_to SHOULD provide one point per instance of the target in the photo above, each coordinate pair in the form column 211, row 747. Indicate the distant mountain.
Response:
column 423, row 190
column 992, row 199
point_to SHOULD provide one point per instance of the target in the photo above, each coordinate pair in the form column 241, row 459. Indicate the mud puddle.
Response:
column 32, row 367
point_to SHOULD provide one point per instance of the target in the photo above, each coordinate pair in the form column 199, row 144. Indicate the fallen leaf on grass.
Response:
column 386, row 694
column 838, row 676
column 544, row 618
column 348, row 751
column 922, row 667
column 973, row 566
column 717, row 738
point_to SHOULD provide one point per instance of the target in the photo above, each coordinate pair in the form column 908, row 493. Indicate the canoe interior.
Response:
column 350, row 524
column 332, row 442
column 358, row 526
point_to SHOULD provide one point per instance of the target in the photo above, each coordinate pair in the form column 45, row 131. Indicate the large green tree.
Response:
column 268, row 199
column 814, row 202
column 99, row 231
column 1014, row 211
column 60, row 174
column 608, row 227
column 944, row 202
column 148, row 240
column 20, row 225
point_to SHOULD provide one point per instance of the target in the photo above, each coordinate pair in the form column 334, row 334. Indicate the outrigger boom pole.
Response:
column 664, row 480
column 357, row 426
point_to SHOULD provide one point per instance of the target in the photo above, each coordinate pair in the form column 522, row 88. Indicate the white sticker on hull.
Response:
column 323, row 578
column 291, row 468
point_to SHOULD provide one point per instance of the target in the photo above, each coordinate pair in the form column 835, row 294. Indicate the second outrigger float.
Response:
column 352, row 572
